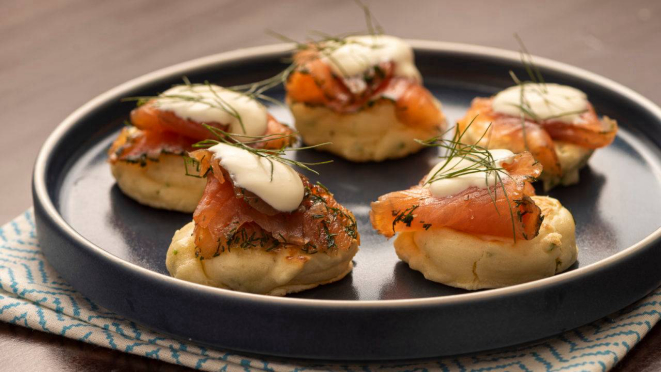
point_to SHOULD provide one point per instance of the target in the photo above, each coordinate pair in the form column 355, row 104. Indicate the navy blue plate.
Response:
column 112, row 249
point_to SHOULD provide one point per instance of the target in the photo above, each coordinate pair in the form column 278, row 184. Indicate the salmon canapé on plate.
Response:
column 555, row 123
column 261, row 227
column 365, row 95
column 148, row 157
column 475, row 222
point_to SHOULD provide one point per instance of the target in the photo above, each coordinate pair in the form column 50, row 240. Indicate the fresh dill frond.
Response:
column 536, row 82
column 373, row 26
column 225, row 106
column 257, row 89
column 268, row 154
column 321, row 42
column 283, row 37
column 482, row 161
column 529, row 65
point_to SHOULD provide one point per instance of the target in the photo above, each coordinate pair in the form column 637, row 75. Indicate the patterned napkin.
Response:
column 34, row 296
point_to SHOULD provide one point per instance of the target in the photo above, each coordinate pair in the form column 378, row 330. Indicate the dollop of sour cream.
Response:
column 545, row 101
column 451, row 186
column 214, row 104
column 357, row 54
column 281, row 187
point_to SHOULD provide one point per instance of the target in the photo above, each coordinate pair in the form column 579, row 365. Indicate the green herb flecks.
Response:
column 195, row 164
column 406, row 216
column 310, row 248
column 330, row 237
column 334, row 214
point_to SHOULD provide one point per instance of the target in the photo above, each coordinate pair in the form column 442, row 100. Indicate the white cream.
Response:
column 452, row 186
column 215, row 104
column 358, row 54
column 545, row 101
column 274, row 182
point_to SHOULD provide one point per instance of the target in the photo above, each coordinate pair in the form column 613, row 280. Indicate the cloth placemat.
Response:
column 34, row 296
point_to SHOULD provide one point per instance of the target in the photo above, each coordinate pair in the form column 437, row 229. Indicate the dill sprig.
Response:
column 317, row 39
column 529, row 65
column 373, row 26
column 268, row 154
column 325, row 46
column 257, row 89
column 536, row 82
column 323, row 43
column 482, row 161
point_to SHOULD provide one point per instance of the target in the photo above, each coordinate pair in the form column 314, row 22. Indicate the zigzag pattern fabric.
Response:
column 34, row 296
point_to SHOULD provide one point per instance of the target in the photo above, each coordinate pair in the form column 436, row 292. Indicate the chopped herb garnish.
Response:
column 321, row 42
column 405, row 217
column 330, row 238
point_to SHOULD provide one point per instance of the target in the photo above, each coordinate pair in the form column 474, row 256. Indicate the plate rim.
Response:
column 40, row 188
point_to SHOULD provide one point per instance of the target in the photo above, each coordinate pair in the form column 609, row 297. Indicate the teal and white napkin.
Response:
column 34, row 296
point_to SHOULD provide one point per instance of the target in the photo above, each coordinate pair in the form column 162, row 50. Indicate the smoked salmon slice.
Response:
column 502, row 131
column 538, row 137
column 478, row 211
column 227, row 215
column 590, row 132
column 314, row 83
column 161, row 131
column 136, row 146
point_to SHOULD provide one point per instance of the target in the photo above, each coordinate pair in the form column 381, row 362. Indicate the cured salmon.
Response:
column 229, row 216
column 590, row 133
column 538, row 138
column 157, row 131
column 494, row 212
column 137, row 146
column 501, row 131
column 314, row 83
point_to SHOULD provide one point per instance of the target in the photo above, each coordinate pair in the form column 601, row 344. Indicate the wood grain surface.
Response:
column 57, row 54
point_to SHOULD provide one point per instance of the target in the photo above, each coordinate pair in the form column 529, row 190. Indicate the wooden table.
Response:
column 57, row 54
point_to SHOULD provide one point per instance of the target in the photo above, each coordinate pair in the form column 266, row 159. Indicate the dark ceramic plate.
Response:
column 112, row 249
